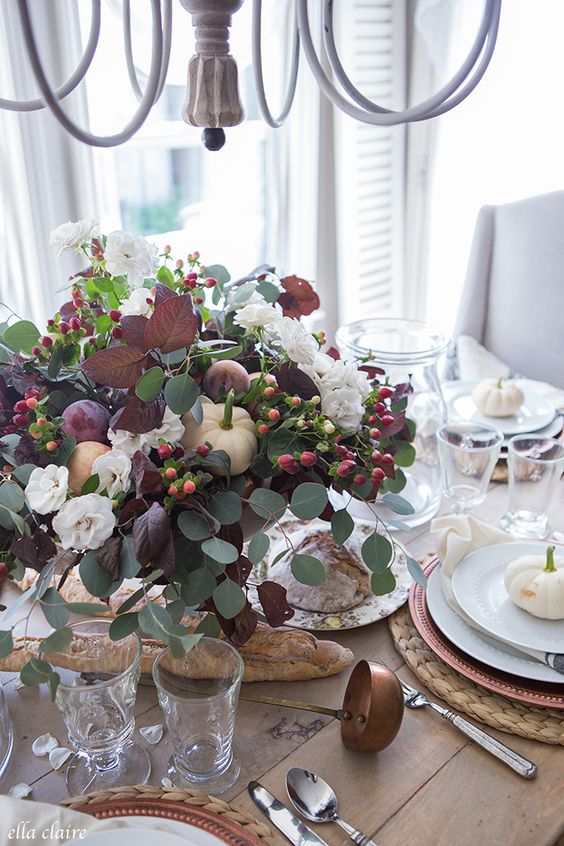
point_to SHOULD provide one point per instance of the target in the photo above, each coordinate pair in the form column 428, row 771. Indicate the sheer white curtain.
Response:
column 504, row 143
column 46, row 177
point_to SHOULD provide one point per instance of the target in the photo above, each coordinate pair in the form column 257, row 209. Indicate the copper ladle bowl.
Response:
column 372, row 708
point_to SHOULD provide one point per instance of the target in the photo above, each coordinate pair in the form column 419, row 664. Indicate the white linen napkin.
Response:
column 24, row 822
column 456, row 535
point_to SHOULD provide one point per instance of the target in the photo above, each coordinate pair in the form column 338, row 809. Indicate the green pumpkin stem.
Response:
column 225, row 422
column 500, row 382
column 550, row 566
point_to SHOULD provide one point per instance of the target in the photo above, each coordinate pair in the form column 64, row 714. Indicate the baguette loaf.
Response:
column 269, row 655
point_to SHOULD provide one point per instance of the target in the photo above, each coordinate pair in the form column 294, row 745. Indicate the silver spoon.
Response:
column 316, row 801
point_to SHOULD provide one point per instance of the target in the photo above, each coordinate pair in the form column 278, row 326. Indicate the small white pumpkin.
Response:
column 535, row 584
column 225, row 427
column 498, row 398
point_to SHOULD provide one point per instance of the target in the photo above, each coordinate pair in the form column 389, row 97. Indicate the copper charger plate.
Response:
column 229, row 831
column 513, row 687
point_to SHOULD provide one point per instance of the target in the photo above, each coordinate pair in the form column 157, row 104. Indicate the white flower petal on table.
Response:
column 44, row 744
column 58, row 756
column 20, row 791
column 166, row 782
column 152, row 734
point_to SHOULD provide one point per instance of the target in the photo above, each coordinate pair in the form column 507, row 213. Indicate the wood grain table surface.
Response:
column 430, row 787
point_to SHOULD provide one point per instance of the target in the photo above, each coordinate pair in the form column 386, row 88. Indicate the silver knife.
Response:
column 292, row 827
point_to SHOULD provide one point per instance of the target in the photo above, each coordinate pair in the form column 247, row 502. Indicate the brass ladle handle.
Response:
column 291, row 703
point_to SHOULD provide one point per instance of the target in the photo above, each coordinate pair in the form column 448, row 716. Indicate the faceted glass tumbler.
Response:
column 198, row 694
column 535, row 466
column 469, row 452
column 97, row 705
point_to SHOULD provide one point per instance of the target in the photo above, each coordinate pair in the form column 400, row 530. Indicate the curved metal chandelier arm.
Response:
column 277, row 122
column 128, row 48
column 74, row 79
column 423, row 110
column 52, row 102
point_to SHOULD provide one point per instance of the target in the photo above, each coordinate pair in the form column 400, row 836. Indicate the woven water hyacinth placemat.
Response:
column 530, row 721
column 146, row 794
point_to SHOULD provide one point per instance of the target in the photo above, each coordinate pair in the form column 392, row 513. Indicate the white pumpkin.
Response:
column 498, row 398
column 535, row 584
column 225, row 427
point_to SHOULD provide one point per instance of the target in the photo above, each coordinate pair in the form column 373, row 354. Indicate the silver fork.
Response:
column 413, row 698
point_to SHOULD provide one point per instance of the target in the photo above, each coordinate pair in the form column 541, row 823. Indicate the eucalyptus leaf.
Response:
column 129, row 565
column 209, row 626
column 87, row 607
column 181, row 392
column 229, row 598
column 6, row 643
column 149, row 385
column 54, row 608
column 220, row 550
column 58, row 641
column 219, row 272
column 155, row 620
column 307, row 569
column 377, row 552
column 382, row 583
column 342, row 525
column 395, row 485
column 193, row 525
column 12, row 496
column 91, row 485
column 36, row 671
column 267, row 503
column 96, row 580
column 123, row 626
column 258, row 547
column 226, row 507
column 404, row 455
column 398, row 504
column 23, row 472
column 416, row 572
column 176, row 610
column 308, row 500
column 228, row 353
column 22, row 335
column 199, row 587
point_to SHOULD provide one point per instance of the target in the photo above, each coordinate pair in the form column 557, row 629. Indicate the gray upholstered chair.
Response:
column 513, row 296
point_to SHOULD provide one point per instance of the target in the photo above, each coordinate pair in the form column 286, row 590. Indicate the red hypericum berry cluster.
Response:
column 288, row 464
column 203, row 450
column 308, row 459
column 164, row 451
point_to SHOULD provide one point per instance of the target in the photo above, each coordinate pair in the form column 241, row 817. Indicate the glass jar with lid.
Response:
column 408, row 351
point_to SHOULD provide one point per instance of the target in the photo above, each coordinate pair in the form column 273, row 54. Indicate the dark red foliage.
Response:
column 34, row 551
column 117, row 367
column 173, row 324
column 139, row 416
column 134, row 327
column 152, row 540
column 299, row 297
column 109, row 556
column 145, row 474
column 295, row 382
column 272, row 597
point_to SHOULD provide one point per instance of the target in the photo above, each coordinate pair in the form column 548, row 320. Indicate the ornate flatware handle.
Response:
column 522, row 766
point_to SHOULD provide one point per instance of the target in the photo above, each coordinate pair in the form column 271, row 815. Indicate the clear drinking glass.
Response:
column 199, row 694
column 6, row 734
column 469, row 452
column 97, row 705
column 535, row 466
column 408, row 351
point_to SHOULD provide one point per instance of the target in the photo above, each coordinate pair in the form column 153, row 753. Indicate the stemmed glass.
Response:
column 535, row 468
column 469, row 452
column 97, row 705
column 198, row 695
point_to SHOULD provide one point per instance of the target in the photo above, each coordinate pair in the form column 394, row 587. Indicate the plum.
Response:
column 80, row 463
column 230, row 374
column 86, row 420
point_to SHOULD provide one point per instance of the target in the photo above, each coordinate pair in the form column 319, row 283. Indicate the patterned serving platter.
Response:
column 514, row 687
column 370, row 610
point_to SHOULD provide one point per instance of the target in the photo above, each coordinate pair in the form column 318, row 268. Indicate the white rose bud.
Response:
column 47, row 488
column 85, row 522
column 113, row 469
column 71, row 236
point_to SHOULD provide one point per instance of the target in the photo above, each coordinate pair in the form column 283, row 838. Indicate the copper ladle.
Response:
column 372, row 708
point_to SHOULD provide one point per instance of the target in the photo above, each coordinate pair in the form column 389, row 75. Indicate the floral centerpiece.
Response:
column 166, row 416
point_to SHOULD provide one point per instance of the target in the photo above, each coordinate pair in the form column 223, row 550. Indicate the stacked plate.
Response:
column 537, row 414
column 495, row 654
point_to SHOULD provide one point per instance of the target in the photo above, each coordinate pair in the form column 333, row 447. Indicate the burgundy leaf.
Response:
column 163, row 293
column 131, row 509
column 34, row 551
column 401, row 391
column 272, row 597
column 173, row 324
column 145, row 474
column 373, row 372
column 294, row 381
column 26, row 452
column 395, row 427
column 67, row 310
column 239, row 571
column 334, row 353
column 116, row 367
column 134, row 327
column 258, row 273
column 299, row 299
column 138, row 416
column 152, row 540
column 232, row 534
column 109, row 556
column 240, row 628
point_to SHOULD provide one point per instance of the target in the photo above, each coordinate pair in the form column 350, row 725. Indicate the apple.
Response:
column 80, row 463
column 86, row 420
column 230, row 374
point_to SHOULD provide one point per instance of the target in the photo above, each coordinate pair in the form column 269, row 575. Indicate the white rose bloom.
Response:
column 292, row 337
column 171, row 430
column 128, row 442
column 137, row 303
column 343, row 407
column 47, row 488
column 71, row 235
column 257, row 315
column 346, row 374
column 322, row 364
column 114, row 469
column 131, row 255
column 85, row 522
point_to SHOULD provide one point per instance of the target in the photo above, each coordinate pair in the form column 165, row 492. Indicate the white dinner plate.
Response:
column 147, row 831
column 490, row 652
column 536, row 412
column 477, row 584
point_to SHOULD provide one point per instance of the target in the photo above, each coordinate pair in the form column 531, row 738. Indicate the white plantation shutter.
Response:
column 369, row 162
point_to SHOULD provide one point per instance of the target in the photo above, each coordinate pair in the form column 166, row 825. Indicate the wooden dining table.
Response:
column 431, row 787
